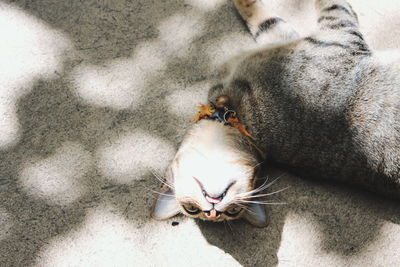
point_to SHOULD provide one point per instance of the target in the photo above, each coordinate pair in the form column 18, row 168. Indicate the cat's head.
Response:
column 212, row 177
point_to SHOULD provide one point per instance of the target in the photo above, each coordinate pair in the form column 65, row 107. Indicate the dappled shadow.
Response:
column 102, row 145
column 346, row 221
column 249, row 245
column 74, row 145
column 104, row 30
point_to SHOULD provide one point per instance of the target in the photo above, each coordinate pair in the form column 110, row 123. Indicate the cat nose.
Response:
column 212, row 214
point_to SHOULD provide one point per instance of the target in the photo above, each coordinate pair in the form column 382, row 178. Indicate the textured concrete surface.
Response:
column 94, row 98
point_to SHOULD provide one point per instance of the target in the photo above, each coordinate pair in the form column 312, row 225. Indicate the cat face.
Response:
column 211, row 177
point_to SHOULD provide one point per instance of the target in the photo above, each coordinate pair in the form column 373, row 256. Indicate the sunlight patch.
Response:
column 230, row 46
column 301, row 244
column 123, row 83
column 132, row 155
column 177, row 32
column 9, row 124
column 119, row 84
column 374, row 254
column 181, row 245
column 5, row 222
column 184, row 102
column 58, row 178
column 29, row 50
column 206, row 5
column 106, row 238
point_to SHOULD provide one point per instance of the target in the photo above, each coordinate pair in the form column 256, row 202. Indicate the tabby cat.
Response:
column 324, row 106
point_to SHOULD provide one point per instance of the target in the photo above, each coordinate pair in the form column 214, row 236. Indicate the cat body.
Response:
column 336, row 116
column 324, row 106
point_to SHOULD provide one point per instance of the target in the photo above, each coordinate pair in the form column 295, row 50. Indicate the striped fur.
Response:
column 324, row 106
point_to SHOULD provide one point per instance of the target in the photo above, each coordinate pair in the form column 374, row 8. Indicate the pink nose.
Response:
column 213, row 200
column 212, row 214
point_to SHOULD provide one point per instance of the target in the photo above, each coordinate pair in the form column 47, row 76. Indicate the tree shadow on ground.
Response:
column 51, row 114
column 348, row 219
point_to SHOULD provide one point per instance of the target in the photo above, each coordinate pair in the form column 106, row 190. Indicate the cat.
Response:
column 324, row 106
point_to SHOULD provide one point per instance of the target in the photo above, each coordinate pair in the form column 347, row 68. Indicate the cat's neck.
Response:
column 214, row 139
column 212, row 135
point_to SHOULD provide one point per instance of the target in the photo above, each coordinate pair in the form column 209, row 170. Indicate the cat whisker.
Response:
column 157, row 198
column 242, row 206
column 268, row 194
column 245, row 208
column 262, row 202
column 151, row 195
column 162, row 194
column 262, row 187
column 224, row 222
column 155, row 192
column 258, row 164
column 159, row 178
column 269, row 184
column 231, row 227
column 255, row 166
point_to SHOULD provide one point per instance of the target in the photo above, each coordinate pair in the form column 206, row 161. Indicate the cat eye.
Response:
column 191, row 209
column 233, row 211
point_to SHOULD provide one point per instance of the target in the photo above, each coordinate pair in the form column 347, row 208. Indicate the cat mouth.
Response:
column 213, row 199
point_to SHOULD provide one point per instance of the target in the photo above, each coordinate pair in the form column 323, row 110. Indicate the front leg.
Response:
column 266, row 27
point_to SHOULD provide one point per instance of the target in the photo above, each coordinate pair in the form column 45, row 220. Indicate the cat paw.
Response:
column 247, row 8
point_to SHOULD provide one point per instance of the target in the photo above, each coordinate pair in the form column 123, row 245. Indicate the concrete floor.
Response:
column 96, row 95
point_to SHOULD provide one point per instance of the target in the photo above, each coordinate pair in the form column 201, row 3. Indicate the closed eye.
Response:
column 233, row 211
column 191, row 208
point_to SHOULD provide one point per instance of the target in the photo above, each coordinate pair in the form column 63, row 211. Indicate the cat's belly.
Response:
column 315, row 143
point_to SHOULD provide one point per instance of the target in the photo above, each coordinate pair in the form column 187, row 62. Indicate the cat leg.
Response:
column 336, row 14
column 338, row 26
column 266, row 27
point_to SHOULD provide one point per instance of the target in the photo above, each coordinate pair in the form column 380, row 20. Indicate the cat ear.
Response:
column 256, row 215
column 166, row 205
